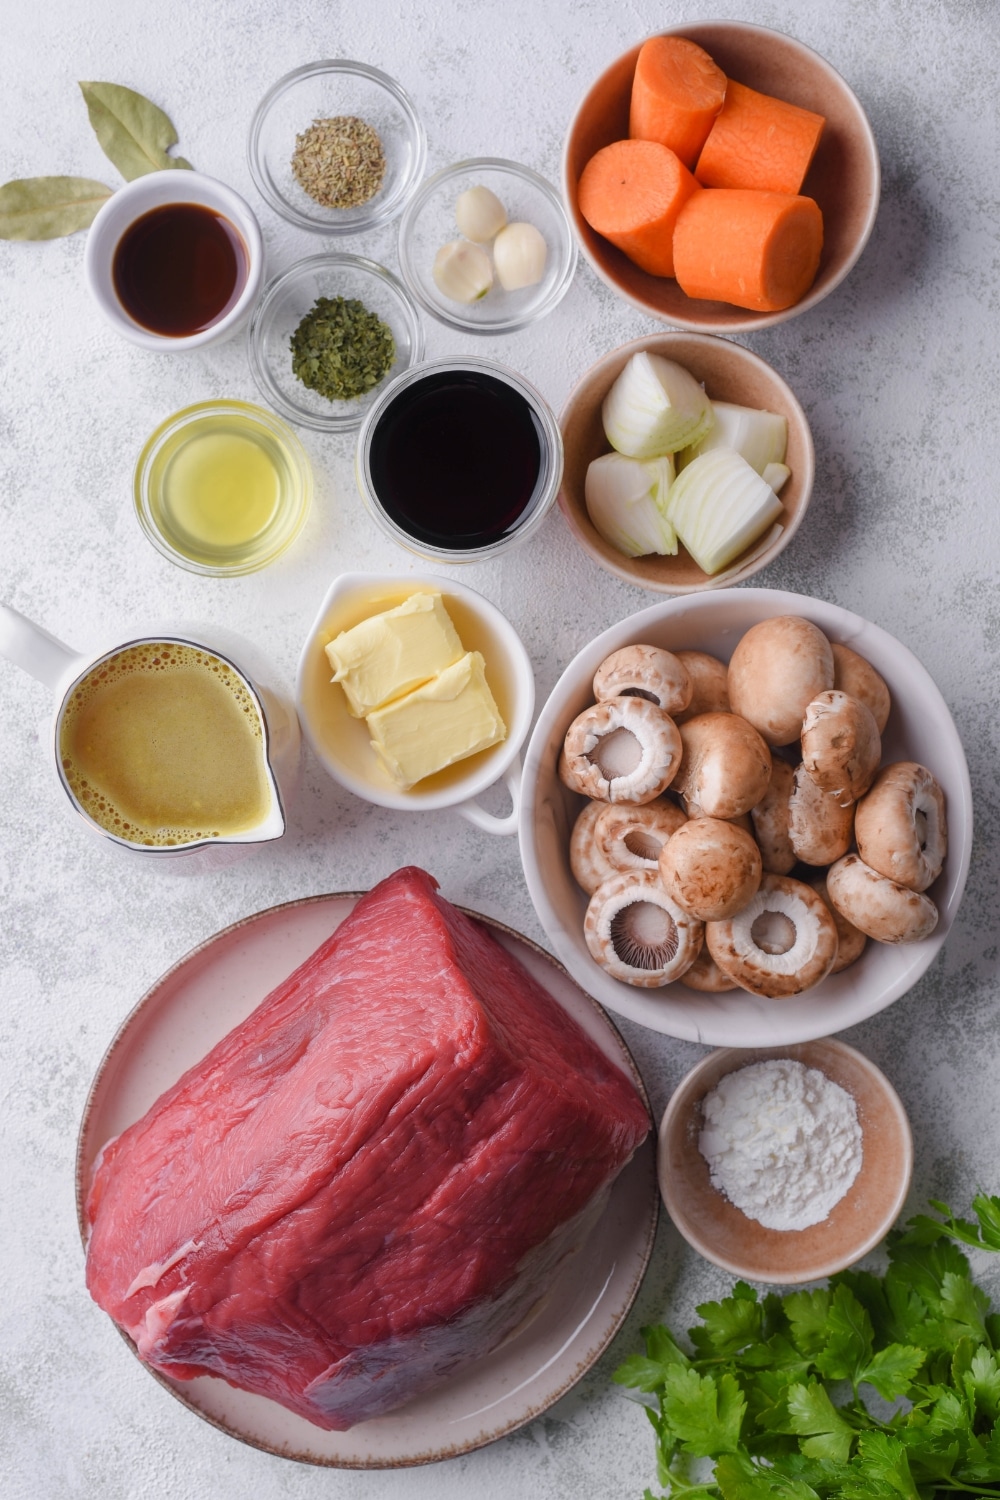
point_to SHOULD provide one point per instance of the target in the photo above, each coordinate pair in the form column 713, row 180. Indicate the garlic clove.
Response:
column 462, row 271
column 479, row 214
column 519, row 252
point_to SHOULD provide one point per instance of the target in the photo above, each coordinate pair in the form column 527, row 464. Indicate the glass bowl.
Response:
column 222, row 488
column 316, row 92
column 429, row 222
column 289, row 297
column 441, row 435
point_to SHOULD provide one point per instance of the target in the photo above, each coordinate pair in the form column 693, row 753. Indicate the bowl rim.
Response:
column 806, row 472
column 787, row 1025
column 187, row 416
column 743, row 320
column 499, row 759
column 421, row 197
column 259, row 368
column 688, row 1095
column 153, row 189
column 288, row 211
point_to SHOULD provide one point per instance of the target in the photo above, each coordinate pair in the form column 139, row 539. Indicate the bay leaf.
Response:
column 44, row 208
column 133, row 132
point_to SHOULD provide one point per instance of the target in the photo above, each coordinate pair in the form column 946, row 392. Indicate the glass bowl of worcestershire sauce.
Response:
column 459, row 459
column 174, row 260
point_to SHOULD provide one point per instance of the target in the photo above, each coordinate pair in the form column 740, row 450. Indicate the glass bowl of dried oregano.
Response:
column 326, row 335
column 336, row 147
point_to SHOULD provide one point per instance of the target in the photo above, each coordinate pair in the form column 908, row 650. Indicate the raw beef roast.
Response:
column 369, row 1182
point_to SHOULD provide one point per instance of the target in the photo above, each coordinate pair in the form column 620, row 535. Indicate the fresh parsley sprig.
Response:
column 782, row 1392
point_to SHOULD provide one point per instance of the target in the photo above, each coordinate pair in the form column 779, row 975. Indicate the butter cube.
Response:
column 445, row 720
column 392, row 653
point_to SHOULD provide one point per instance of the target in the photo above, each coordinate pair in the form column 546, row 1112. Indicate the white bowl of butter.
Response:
column 423, row 698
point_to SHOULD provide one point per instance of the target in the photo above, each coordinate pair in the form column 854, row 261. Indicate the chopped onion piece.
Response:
column 760, row 436
column 655, row 407
column 718, row 506
column 626, row 500
column 775, row 475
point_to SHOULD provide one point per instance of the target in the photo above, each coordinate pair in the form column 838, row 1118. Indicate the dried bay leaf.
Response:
column 133, row 132
column 44, row 208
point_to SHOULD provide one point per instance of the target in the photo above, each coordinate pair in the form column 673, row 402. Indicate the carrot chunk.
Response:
column 631, row 192
column 755, row 250
column 676, row 94
column 759, row 142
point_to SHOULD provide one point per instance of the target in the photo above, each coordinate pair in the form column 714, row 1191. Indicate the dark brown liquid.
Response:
column 455, row 459
column 179, row 269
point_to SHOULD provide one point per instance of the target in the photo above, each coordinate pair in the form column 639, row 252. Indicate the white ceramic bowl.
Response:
column 142, row 196
column 725, row 1235
column 341, row 743
column 920, row 728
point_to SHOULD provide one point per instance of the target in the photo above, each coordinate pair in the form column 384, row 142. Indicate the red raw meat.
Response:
column 372, row 1179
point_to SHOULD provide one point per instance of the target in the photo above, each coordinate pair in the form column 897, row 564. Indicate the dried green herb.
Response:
column 44, row 208
column 133, row 132
column 339, row 162
column 341, row 349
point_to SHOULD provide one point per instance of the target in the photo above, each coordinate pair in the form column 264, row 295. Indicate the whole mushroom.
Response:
column 711, row 868
column 783, row 941
column 627, row 750
column 709, row 685
column 841, row 745
column 725, row 767
column 644, row 672
column 776, row 670
column 853, row 674
column 819, row 828
column 901, row 827
column 635, row 931
column 881, row 907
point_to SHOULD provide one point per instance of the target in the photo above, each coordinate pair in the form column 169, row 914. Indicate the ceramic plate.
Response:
column 209, row 992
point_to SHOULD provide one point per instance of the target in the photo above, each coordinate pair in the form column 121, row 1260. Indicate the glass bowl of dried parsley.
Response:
column 336, row 147
column 326, row 335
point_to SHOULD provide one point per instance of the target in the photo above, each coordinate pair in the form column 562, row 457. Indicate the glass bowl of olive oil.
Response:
column 222, row 488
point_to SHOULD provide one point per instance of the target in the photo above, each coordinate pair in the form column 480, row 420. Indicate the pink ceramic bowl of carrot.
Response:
column 842, row 179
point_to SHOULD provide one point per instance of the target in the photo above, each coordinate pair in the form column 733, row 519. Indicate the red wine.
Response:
column 179, row 268
column 455, row 459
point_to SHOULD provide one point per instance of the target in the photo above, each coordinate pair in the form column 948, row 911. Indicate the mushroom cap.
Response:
column 841, row 745
column 586, row 860
column 853, row 674
column 725, row 768
column 881, row 907
column 776, row 670
column 850, row 939
column 770, row 820
column 781, row 943
column 635, row 931
column 627, row 750
column 630, row 837
column 819, row 828
column 901, row 827
column 644, row 672
column 706, row 976
column 711, row 868
column 709, row 685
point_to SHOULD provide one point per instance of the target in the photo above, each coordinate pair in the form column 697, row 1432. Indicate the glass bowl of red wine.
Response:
column 174, row 260
column 459, row 459
column 327, row 336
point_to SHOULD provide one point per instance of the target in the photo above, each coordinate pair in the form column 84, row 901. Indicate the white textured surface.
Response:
column 898, row 371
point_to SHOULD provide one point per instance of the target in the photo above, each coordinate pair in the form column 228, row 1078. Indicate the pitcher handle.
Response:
column 486, row 820
column 29, row 646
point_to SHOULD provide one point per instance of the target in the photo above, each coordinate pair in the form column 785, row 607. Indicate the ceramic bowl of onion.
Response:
column 721, row 176
column 785, row 1165
column 746, row 818
column 689, row 463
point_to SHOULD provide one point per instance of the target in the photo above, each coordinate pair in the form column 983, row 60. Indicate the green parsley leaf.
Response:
column 705, row 1413
column 849, row 1337
column 729, row 1325
column 893, row 1370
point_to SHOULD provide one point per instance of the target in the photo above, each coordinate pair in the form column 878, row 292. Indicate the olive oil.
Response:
column 221, row 486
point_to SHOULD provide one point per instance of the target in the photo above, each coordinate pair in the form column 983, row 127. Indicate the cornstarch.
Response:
column 782, row 1141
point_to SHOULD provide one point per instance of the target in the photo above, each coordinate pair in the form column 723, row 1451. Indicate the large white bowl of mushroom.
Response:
column 746, row 818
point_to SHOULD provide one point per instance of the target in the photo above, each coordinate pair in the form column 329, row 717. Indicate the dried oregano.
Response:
column 339, row 162
column 341, row 349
